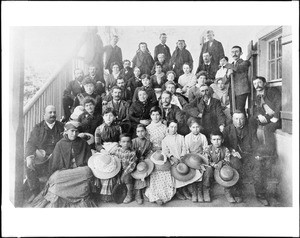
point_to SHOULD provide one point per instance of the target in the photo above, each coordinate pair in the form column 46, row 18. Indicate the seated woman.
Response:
column 158, row 79
column 111, row 79
column 187, row 80
column 70, row 180
column 139, row 111
column 108, row 133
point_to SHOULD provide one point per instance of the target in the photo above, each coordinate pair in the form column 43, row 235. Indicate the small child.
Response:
column 217, row 155
column 195, row 142
column 108, row 133
column 159, row 78
column 143, row 148
column 187, row 80
column 128, row 159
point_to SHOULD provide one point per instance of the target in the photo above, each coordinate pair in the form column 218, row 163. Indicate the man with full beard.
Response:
column 208, row 109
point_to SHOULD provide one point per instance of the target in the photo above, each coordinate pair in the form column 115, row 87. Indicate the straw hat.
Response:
column 194, row 161
column 143, row 169
column 104, row 166
column 160, row 161
column 40, row 157
column 77, row 112
column 226, row 176
column 182, row 172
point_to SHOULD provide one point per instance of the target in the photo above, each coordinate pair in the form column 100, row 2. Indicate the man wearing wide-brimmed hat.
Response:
column 39, row 147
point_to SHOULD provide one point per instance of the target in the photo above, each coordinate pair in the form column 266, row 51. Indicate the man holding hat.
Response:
column 39, row 147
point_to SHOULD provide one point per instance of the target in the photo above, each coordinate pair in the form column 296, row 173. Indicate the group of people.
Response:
column 156, row 127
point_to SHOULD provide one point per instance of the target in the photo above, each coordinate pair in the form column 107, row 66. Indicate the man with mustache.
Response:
column 266, row 112
column 44, row 136
column 208, row 109
column 121, row 108
column 239, row 70
column 209, row 67
column 74, row 88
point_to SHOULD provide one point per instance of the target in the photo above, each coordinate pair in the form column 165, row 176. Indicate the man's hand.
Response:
column 145, row 122
column 178, row 90
column 268, row 110
column 236, row 154
column 221, row 128
column 274, row 119
column 229, row 72
column 262, row 119
column 200, row 115
column 30, row 162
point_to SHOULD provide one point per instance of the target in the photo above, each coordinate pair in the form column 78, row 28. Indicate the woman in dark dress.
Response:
column 143, row 59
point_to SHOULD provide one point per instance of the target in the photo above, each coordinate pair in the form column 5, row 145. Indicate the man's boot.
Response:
column 129, row 196
column 186, row 193
column 200, row 192
column 206, row 194
column 144, row 196
column 179, row 194
column 138, row 196
column 228, row 195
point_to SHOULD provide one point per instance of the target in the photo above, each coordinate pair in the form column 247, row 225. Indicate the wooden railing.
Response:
column 51, row 93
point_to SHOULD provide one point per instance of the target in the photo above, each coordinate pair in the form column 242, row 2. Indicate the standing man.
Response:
column 44, row 136
column 239, row 70
column 214, row 47
column 162, row 48
column 112, row 53
column 208, row 109
column 208, row 66
column 70, row 93
column 267, row 106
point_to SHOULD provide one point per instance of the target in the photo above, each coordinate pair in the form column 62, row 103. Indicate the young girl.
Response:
column 143, row 148
column 187, row 80
column 143, row 59
column 195, row 142
column 108, row 133
column 157, row 130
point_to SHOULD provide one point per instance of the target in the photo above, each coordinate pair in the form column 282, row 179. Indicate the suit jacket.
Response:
column 38, row 137
column 122, row 112
column 89, row 123
column 247, row 142
column 211, row 70
column 126, row 74
column 139, row 111
column 174, row 113
column 272, row 97
column 216, row 51
column 240, row 77
column 73, row 89
column 113, row 54
column 212, row 115
column 162, row 49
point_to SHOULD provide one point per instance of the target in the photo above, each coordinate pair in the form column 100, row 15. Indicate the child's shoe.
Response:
column 138, row 197
column 206, row 194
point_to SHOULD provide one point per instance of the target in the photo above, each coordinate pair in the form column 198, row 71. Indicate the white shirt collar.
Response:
column 50, row 125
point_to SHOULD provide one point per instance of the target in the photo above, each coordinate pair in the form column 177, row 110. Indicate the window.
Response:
column 274, row 59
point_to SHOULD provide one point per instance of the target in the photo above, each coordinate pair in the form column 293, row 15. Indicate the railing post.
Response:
column 16, row 160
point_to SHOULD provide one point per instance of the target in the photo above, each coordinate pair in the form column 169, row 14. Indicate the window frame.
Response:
column 274, row 38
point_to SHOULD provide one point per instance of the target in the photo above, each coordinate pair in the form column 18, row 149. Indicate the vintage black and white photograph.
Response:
column 152, row 117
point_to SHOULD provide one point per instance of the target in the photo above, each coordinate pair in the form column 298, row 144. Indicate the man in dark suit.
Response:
column 214, row 47
column 162, row 48
column 243, row 145
column 239, row 69
column 97, row 78
column 112, row 53
column 208, row 66
column 44, row 136
column 70, row 93
column 266, row 112
column 171, row 112
column 208, row 109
